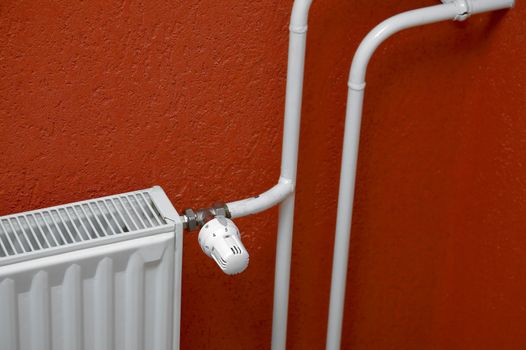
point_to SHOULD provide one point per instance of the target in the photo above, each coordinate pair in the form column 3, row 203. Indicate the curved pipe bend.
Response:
column 289, row 157
column 264, row 201
column 300, row 15
column 389, row 27
column 450, row 10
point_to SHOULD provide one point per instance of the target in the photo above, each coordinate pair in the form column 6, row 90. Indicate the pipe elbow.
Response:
column 299, row 16
column 288, row 185
column 391, row 26
column 264, row 201
column 450, row 10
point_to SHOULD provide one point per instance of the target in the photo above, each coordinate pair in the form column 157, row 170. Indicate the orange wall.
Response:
column 101, row 97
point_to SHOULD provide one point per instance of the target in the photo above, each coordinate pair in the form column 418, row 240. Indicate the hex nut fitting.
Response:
column 191, row 219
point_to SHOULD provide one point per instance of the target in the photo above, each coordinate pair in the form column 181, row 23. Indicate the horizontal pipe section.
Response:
column 263, row 201
column 480, row 6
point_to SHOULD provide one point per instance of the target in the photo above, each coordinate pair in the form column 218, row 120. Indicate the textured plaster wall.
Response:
column 101, row 97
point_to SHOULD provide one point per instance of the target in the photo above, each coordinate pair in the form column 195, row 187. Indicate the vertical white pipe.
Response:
column 283, row 191
column 289, row 160
column 456, row 10
column 282, row 274
column 291, row 127
column 351, row 141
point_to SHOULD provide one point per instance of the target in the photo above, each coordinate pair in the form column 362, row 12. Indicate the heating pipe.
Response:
column 450, row 10
column 283, row 191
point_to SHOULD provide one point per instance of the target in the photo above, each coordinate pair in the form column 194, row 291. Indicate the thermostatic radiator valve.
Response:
column 219, row 237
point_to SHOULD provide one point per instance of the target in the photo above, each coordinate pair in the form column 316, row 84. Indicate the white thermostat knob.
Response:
column 219, row 238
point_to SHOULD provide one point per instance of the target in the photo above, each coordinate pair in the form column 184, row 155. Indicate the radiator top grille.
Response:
column 78, row 224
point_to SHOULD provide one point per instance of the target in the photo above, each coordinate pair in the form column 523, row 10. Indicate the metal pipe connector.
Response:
column 193, row 220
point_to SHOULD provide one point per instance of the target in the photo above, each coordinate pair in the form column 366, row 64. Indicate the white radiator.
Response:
column 102, row 274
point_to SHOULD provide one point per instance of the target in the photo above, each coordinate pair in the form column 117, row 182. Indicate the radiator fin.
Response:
column 103, row 302
column 121, row 304
column 8, row 315
column 72, row 308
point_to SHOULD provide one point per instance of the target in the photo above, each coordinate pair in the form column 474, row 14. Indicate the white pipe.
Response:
column 456, row 10
column 480, row 6
column 291, row 127
column 266, row 200
column 283, row 191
